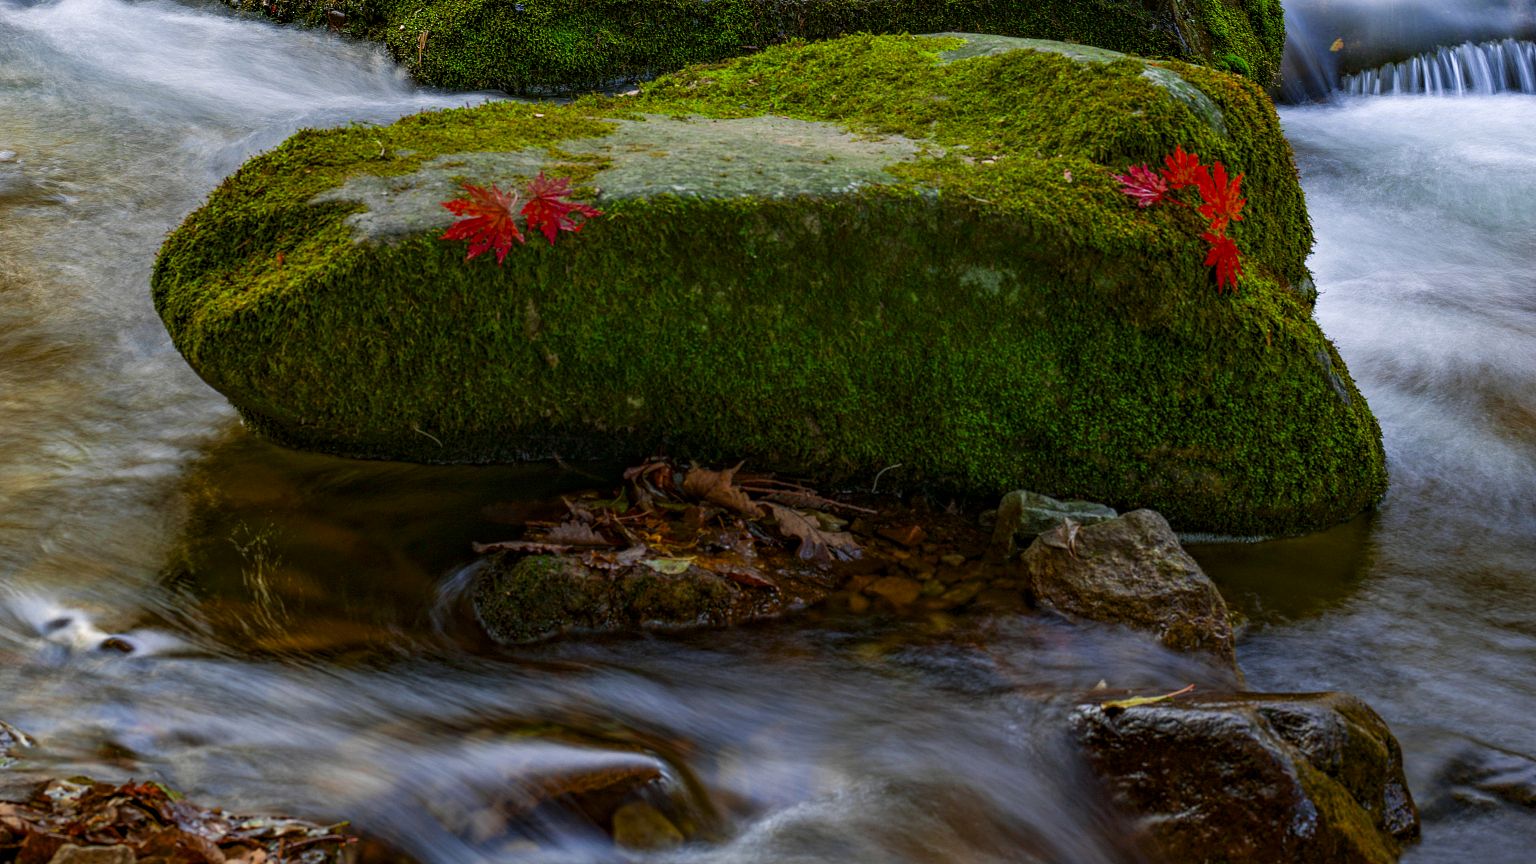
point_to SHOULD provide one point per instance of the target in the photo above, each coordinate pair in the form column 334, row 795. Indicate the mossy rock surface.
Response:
column 830, row 259
column 521, row 599
column 555, row 46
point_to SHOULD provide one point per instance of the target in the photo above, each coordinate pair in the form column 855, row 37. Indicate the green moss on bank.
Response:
column 551, row 46
column 992, row 316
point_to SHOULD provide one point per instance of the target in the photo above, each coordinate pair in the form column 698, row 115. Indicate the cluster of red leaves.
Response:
column 490, row 215
column 1221, row 203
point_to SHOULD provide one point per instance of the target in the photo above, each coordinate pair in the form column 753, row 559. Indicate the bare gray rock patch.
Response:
column 762, row 157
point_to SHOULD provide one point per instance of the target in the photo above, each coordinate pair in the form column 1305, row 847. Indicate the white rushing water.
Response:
column 116, row 119
column 1425, row 212
column 1468, row 69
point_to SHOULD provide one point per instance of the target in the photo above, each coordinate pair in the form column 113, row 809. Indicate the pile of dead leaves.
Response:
column 156, row 826
column 670, row 518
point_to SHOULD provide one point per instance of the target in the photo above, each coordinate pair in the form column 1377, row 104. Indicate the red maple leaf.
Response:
column 547, row 213
column 1223, row 202
column 1143, row 184
column 1225, row 258
column 489, row 221
column 1182, row 169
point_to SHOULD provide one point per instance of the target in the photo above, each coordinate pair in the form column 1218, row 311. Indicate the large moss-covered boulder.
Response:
column 548, row 46
column 832, row 259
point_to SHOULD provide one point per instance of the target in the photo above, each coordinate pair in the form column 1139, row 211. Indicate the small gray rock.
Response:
column 1024, row 515
column 1131, row 571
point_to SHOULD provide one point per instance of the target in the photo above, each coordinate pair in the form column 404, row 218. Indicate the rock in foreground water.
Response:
column 528, row 598
column 1304, row 779
column 834, row 259
column 1131, row 571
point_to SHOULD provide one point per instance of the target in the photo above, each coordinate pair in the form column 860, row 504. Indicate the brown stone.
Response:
column 1249, row 778
column 526, row 598
column 906, row 535
column 900, row 591
column 1131, row 571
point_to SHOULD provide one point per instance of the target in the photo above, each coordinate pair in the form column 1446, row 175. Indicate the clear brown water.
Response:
column 300, row 642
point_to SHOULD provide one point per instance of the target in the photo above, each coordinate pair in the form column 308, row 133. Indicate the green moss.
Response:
column 552, row 46
column 994, row 316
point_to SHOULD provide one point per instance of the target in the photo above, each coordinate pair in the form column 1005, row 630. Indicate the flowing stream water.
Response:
column 297, row 638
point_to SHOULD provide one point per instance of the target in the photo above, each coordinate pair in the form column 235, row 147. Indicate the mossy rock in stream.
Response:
column 831, row 259
column 554, row 46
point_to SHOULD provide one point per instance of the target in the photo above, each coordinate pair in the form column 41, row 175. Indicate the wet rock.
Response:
column 1000, row 601
column 524, row 599
column 1024, row 515
column 11, row 741
column 638, row 825
column 1485, row 776
column 1255, row 777
column 94, row 855
column 960, row 595
column 528, row 783
column 1131, row 571
column 898, row 590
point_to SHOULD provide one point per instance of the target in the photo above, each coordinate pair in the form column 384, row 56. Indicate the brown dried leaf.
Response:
column 815, row 544
column 246, row 855
column 37, row 848
column 811, row 501
column 522, row 547
column 575, row 533
column 719, row 488
column 746, row 576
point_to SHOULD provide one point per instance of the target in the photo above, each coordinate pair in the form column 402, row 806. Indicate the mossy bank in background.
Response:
column 832, row 258
column 554, row 46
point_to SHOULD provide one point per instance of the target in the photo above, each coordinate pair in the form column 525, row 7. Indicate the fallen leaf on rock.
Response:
column 1144, row 185
column 747, row 576
column 906, row 535
column 815, row 544
column 812, row 501
column 615, row 560
column 669, row 566
column 488, row 219
column 548, row 212
column 719, row 487
column 576, row 533
column 148, row 821
column 1115, row 706
column 523, row 547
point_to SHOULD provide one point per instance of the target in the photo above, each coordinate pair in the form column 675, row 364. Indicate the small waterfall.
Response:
column 1486, row 68
column 1327, row 39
